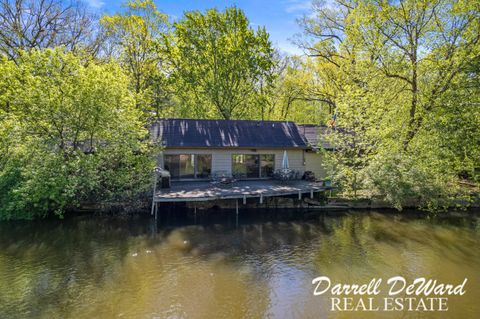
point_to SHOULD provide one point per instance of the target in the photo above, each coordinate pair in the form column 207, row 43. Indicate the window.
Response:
column 172, row 164
column 253, row 165
column 267, row 164
column 245, row 166
column 187, row 166
column 204, row 165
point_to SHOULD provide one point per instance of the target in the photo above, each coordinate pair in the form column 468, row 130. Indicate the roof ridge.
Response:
column 221, row 120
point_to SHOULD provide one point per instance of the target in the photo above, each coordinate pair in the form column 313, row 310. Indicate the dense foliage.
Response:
column 402, row 78
column 69, row 133
column 402, row 84
column 135, row 41
column 221, row 67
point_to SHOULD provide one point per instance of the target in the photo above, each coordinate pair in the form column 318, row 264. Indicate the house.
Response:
column 247, row 149
column 314, row 135
column 251, row 151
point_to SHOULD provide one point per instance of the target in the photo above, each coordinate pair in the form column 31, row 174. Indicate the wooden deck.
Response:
column 204, row 191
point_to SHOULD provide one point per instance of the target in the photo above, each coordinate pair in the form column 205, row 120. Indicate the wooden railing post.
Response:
column 156, row 170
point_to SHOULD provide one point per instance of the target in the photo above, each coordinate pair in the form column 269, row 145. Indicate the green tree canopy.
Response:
column 137, row 37
column 222, row 68
column 398, row 70
column 68, row 132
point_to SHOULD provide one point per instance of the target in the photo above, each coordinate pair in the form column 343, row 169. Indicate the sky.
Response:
column 278, row 16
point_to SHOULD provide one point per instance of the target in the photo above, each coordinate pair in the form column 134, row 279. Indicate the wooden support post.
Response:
column 299, row 194
column 154, row 190
column 156, row 210
column 261, row 198
column 195, row 213
column 311, row 193
column 244, row 199
column 236, row 215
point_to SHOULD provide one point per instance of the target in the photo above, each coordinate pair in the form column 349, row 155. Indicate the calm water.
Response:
column 98, row 267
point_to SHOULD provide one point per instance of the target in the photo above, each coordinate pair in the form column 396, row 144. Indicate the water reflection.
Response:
column 94, row 267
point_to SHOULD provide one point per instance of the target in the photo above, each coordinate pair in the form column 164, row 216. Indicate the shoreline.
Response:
column 142, row 207
column 269, row 204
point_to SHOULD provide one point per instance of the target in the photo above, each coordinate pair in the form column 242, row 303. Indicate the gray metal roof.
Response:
column 228, row 133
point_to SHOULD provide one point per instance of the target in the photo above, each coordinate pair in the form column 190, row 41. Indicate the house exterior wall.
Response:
column 222, row 157
column 313, row 162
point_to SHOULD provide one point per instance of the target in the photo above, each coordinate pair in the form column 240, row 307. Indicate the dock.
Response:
column 205, row 191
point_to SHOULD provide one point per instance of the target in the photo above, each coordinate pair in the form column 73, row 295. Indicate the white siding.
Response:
column 314, row 163
column 222, row 157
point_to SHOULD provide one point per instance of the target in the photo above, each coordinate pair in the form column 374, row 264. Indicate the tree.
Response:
column 302, row 92
column 137, row 35
column 29, row 24
column 423, row 44
column 221, row 66
column 398, row 69
column 69, row 133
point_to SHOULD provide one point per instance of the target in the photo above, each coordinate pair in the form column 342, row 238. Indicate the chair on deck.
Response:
column 284, row 174
column 222, row 178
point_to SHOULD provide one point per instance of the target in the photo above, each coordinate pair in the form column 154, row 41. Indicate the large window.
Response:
column 186, row 166
column 253, row 165
column 204, row 165
column 267, row 165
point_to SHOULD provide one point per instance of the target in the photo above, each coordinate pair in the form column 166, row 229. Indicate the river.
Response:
column 259, row 266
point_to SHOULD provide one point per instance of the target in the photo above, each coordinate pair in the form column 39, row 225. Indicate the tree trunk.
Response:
column 412, row 123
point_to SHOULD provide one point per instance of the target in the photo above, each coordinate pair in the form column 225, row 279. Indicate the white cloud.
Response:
column 292, row 6
column 97, row 4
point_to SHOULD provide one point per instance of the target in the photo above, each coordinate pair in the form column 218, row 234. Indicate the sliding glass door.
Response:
column 203, row 165
column 267, row 165
column 246, row 166
column 188, row 166
column 253, row 165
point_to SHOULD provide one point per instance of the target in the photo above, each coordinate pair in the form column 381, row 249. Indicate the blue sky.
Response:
column 278, row 16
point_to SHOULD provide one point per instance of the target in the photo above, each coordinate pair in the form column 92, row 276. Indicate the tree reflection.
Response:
column 104, row 267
